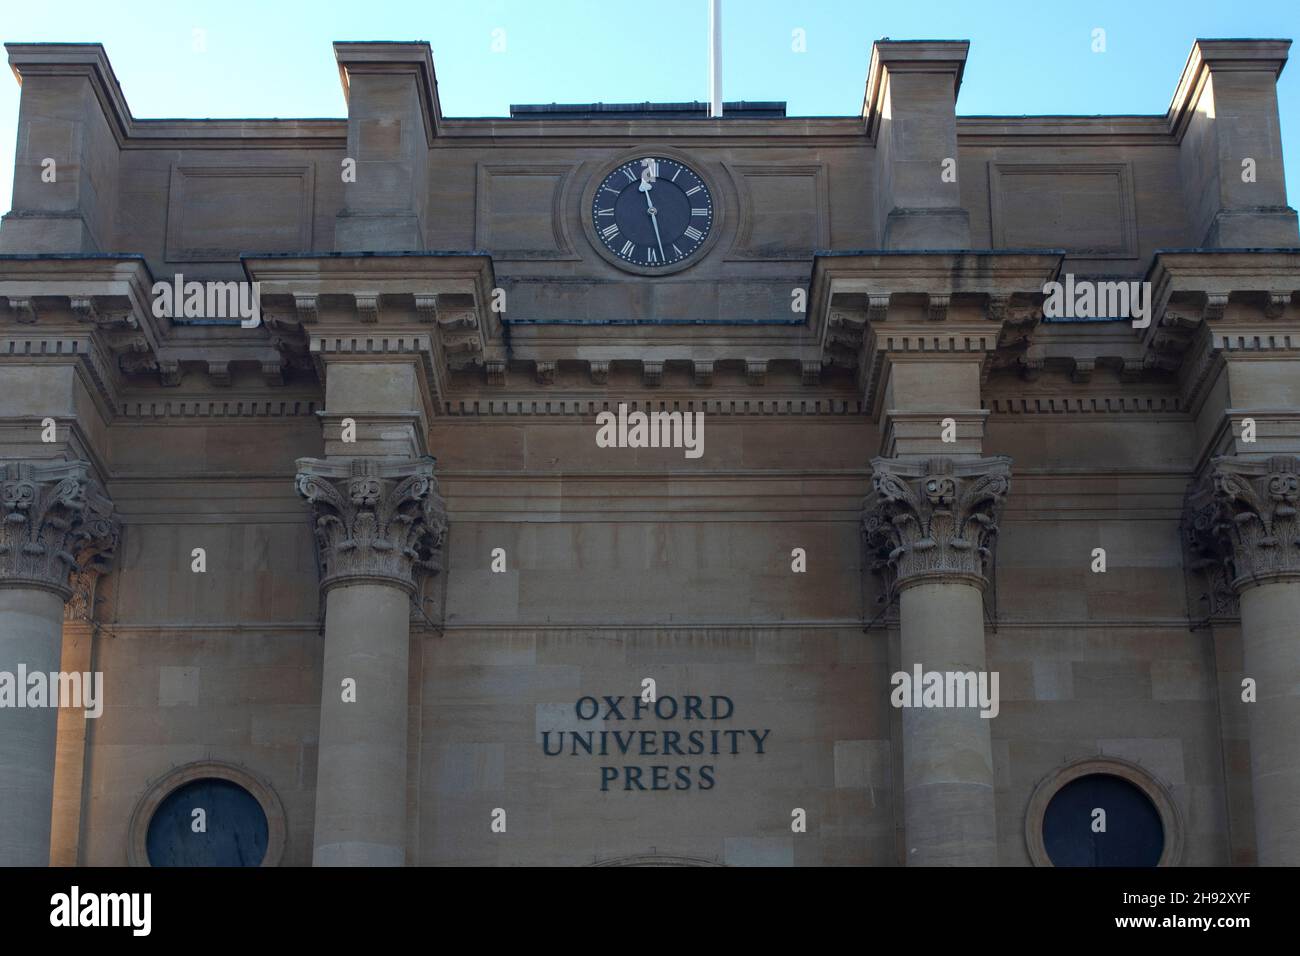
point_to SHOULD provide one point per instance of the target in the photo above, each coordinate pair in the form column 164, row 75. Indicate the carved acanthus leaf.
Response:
column 936, row 519
column 375, row 521
column 1255, row 517
column 55, row 521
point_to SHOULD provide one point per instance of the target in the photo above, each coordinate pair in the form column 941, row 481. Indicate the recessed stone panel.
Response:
column 519, row 211
column 215, row 213
column 784, row 211
column 1084, row 208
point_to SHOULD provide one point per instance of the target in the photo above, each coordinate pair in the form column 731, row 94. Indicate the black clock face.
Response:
column 652, row 212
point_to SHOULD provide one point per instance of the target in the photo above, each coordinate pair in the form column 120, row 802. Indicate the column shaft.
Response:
column 948, row 809
column 1270, row 617
column 361, row 775
column 31, row 635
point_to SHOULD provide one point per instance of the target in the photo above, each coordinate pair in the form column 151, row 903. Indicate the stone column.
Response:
column 1254, row 518
column 379, row 523
column 932, row 524
column 55, row 523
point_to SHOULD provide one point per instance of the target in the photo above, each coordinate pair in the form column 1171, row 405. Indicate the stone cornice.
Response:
column 437, row 306
column 377, row 521
column 563, row 406
column 1072, row 131
column 1211, row 306
column 92, row 310
column 1224, row 271
column 869, row 308
column 387, row 273
column 935, row 519
column 58, row 526
column 240, row 407
column 1085, row 404
column 100, row 309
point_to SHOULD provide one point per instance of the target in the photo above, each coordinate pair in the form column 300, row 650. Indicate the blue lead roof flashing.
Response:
column 1066, row 319
column 601, row 322
column 741, row 109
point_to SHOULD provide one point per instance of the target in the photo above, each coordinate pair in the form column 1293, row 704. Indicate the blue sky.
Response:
column 274, row 58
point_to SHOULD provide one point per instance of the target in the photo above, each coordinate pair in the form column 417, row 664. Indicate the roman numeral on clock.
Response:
column 628, row 173
column 693, row 233
column 605, row 212
column 609, row 232
column 650, row 255
column 699, row 212
column 693, row 190
column 627, row 247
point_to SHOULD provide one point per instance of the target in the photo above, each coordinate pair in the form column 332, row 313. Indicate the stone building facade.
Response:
column 365, row 559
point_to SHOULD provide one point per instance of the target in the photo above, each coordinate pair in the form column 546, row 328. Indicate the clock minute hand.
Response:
column 654, row 220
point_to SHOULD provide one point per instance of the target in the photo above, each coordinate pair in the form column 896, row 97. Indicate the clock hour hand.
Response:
column 654, row 220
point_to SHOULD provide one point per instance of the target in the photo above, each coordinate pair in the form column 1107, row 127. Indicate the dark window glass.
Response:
column 235, row 827
column 1133, row 834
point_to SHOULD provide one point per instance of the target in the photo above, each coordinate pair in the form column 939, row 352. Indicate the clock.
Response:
column 652, row 213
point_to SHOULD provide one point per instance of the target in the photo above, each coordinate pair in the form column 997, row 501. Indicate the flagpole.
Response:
column 715, row 57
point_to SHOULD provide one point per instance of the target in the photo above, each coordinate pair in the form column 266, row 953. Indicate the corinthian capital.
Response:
column 934, row 520
column 377, row 521
column 59, row 530
column 1253, row 517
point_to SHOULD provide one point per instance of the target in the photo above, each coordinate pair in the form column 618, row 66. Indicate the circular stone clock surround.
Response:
column 676, row 159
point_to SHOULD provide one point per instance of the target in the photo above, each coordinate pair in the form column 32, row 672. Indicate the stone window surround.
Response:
column 1171, row 820
column 262, row 791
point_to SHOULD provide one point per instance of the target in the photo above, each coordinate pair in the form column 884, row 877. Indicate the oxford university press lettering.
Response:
column 688, row 741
